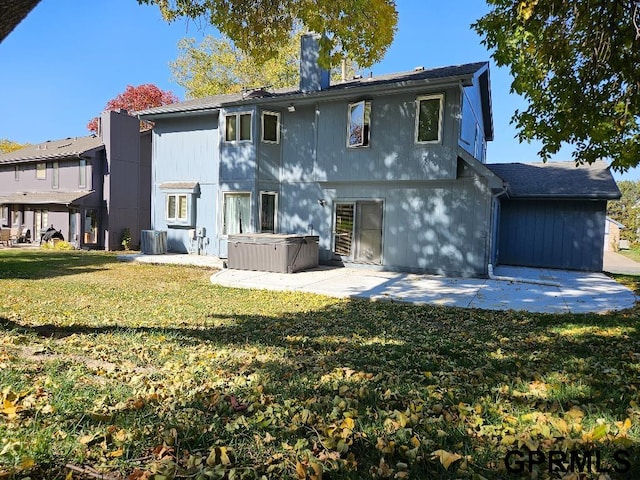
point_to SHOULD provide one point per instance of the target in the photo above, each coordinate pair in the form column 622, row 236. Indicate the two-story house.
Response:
column 388, row 171
column 90, row 188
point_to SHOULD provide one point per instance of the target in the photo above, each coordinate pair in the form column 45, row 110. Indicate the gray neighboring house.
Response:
column 388, row 171
column 553, row 214
column 91, row 188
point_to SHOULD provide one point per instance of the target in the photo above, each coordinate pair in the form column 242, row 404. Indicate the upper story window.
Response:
column 359, row 124
column 237, row 127
column 41, row 171
column 429, row 119
column 270, row 127
column 55, row 174
column 82, row 173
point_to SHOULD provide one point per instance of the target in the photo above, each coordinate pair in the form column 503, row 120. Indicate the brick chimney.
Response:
column 313, row 78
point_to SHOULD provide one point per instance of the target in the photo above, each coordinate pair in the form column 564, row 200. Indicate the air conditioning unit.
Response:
column 153, row 242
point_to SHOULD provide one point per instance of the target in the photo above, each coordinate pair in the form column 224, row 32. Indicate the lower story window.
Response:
column 177, row 208
column 41, row 222
column 91, row 226
column 236, row 213
column 268, row 211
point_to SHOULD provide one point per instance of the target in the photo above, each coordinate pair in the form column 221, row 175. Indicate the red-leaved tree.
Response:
column 134, row 99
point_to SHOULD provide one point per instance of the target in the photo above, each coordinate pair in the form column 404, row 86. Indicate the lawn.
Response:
column 115, row 370
column 633, row 253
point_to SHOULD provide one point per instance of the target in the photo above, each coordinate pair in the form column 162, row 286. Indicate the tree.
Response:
column 577, row 64
column 361, row 30
column 134, row 99
column 627, row 210
column 7, row 145
column 218, row 66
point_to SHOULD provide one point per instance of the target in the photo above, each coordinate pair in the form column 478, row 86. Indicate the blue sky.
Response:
column 68, row 58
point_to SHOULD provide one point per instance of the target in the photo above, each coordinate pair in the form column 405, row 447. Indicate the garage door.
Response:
column 552, row 234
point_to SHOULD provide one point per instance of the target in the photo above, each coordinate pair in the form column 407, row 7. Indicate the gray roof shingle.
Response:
column 12, row 12
column 68, row 147
column 557, row 180
column 218, row 101
column 43, row 198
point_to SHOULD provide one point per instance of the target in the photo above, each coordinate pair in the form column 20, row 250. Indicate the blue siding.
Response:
column 187, row 150
column 393, row 153
column 552, row 234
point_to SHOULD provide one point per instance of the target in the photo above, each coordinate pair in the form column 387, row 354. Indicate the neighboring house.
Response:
column 612, row 234
column 553, row 214
column 388, row 171
column 90, row 188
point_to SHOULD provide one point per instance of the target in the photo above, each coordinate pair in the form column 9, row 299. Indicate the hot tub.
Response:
column 271, row 252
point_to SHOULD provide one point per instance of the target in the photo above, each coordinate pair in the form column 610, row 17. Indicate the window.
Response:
column 90, row 226
column 429, row 119
column 54, row 175
column 41, row 218
column 177, row 208
column 236, row 213
column 358, row 125
column 41, row 171
column 16, row 216
column 16, row 173
column 268, row 211
column 270, row 127
column 237, row 127
column 82, row 173
column 344, row 223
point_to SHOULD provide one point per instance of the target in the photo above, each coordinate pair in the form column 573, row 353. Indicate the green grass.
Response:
column 145, row 371
column 633, row 253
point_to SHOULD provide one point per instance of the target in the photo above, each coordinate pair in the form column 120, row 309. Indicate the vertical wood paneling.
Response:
column 552, row 234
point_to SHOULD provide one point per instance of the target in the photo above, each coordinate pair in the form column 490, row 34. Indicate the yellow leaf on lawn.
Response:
column 576, row 414
column 85, row 439
column 348, row 423
column 27, row 462
column 446, row 458
column 301, row 470
column 116, row 453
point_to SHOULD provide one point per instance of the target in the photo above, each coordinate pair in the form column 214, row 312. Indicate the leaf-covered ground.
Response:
column 115, row 370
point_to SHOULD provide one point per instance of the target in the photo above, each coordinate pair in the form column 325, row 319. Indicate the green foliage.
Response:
column 361, row 30
column 143, row 371
column 627, row 210
column 577, row 65
column 217, row 66
column 125, row 238
column 7, row 145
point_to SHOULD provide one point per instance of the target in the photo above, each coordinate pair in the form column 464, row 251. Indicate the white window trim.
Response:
column 82, row 173
column 440, row 97
column 277, row 115
column 222, row 205
column 38, row 170
column 366, row 103
column 55, row 175
column 237, row 115
column 176, row 220
column 275, row 213
column 16, row 173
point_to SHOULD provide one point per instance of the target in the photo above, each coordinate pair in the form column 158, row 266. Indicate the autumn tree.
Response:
column 627, row 210
column 361, row 30
column 134, row 99
column 577, row 64
column 217, row 66
column 7, row 145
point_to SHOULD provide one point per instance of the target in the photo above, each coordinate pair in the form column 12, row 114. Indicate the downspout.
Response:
column 515, row 279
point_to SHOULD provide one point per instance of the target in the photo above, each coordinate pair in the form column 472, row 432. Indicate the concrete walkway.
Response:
column 616, row 263
column 579, row 292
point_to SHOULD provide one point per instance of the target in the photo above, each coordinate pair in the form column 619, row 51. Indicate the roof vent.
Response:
column 256, row 93
column 419, row 68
